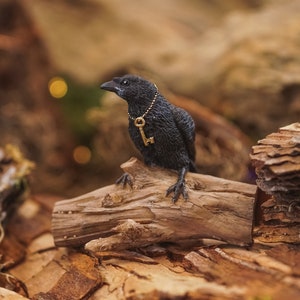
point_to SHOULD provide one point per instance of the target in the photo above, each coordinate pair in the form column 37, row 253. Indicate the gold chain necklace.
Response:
column 140, row 122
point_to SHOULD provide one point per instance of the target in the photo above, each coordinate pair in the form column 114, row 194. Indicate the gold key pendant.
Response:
column 140, row 123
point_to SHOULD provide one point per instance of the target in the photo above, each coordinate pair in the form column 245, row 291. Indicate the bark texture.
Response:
column 277, row 163
column 127, row 217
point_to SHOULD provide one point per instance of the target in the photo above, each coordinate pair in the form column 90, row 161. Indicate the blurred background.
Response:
column 234, row 65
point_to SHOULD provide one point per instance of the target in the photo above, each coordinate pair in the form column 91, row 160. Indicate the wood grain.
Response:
column 122, row 218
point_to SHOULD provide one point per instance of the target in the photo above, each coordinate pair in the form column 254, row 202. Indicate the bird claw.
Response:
column 124, row 180
column 294, row 207
column 179, row 189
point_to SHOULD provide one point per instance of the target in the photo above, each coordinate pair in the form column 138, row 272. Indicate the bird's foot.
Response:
column 124, row 180
column 178, row 189
column 294, row 207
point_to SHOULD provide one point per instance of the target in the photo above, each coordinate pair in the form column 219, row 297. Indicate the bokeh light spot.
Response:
column 57, row 87
column 82, row 154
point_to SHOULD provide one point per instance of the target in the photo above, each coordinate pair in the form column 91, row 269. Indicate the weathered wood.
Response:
column 124, row 218
column 155, row 272
column 277, row 164
column 263, row 273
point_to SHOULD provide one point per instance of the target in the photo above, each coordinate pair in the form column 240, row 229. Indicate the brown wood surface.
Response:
column 127, row 217
column 133, row 217
column 261, row 271
column 277, row 163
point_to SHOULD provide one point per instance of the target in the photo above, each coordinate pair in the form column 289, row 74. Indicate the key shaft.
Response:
column 140, row 123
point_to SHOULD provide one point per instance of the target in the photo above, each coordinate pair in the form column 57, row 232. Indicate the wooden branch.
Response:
column 122, row 218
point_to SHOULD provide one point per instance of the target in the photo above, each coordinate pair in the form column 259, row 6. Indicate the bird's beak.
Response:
column 110, row 86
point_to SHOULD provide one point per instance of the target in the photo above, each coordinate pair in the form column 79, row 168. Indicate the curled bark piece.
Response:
column 276, row 159
column 277, row 162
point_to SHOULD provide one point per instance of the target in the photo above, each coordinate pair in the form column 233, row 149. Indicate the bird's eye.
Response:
column 124, row 82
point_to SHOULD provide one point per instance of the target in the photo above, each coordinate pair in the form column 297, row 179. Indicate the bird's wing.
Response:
column 186, row 127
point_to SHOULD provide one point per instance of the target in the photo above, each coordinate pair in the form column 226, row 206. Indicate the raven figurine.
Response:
column 162, row 132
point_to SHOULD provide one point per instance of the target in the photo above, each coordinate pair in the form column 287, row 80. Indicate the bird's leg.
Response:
column 125, row 179
column 179, row 187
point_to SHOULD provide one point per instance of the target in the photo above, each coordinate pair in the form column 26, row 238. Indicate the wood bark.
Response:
column 277, row 164
column 121, row 218
column 14, row 169
column 153, row 272
column 33, row 267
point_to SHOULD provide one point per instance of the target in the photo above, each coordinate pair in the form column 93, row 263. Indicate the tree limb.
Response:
column 122, row 218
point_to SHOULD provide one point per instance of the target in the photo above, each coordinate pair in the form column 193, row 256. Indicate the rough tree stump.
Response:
column 121, row 218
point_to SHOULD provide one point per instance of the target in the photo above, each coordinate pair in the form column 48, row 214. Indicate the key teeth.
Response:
column 151, row 140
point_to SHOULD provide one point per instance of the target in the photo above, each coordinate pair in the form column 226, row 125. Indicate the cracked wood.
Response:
column 116, row 218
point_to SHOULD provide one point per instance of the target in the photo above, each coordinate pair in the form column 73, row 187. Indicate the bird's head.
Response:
column 132, row 88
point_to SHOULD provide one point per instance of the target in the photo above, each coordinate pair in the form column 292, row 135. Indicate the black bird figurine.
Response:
column 162, row 132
